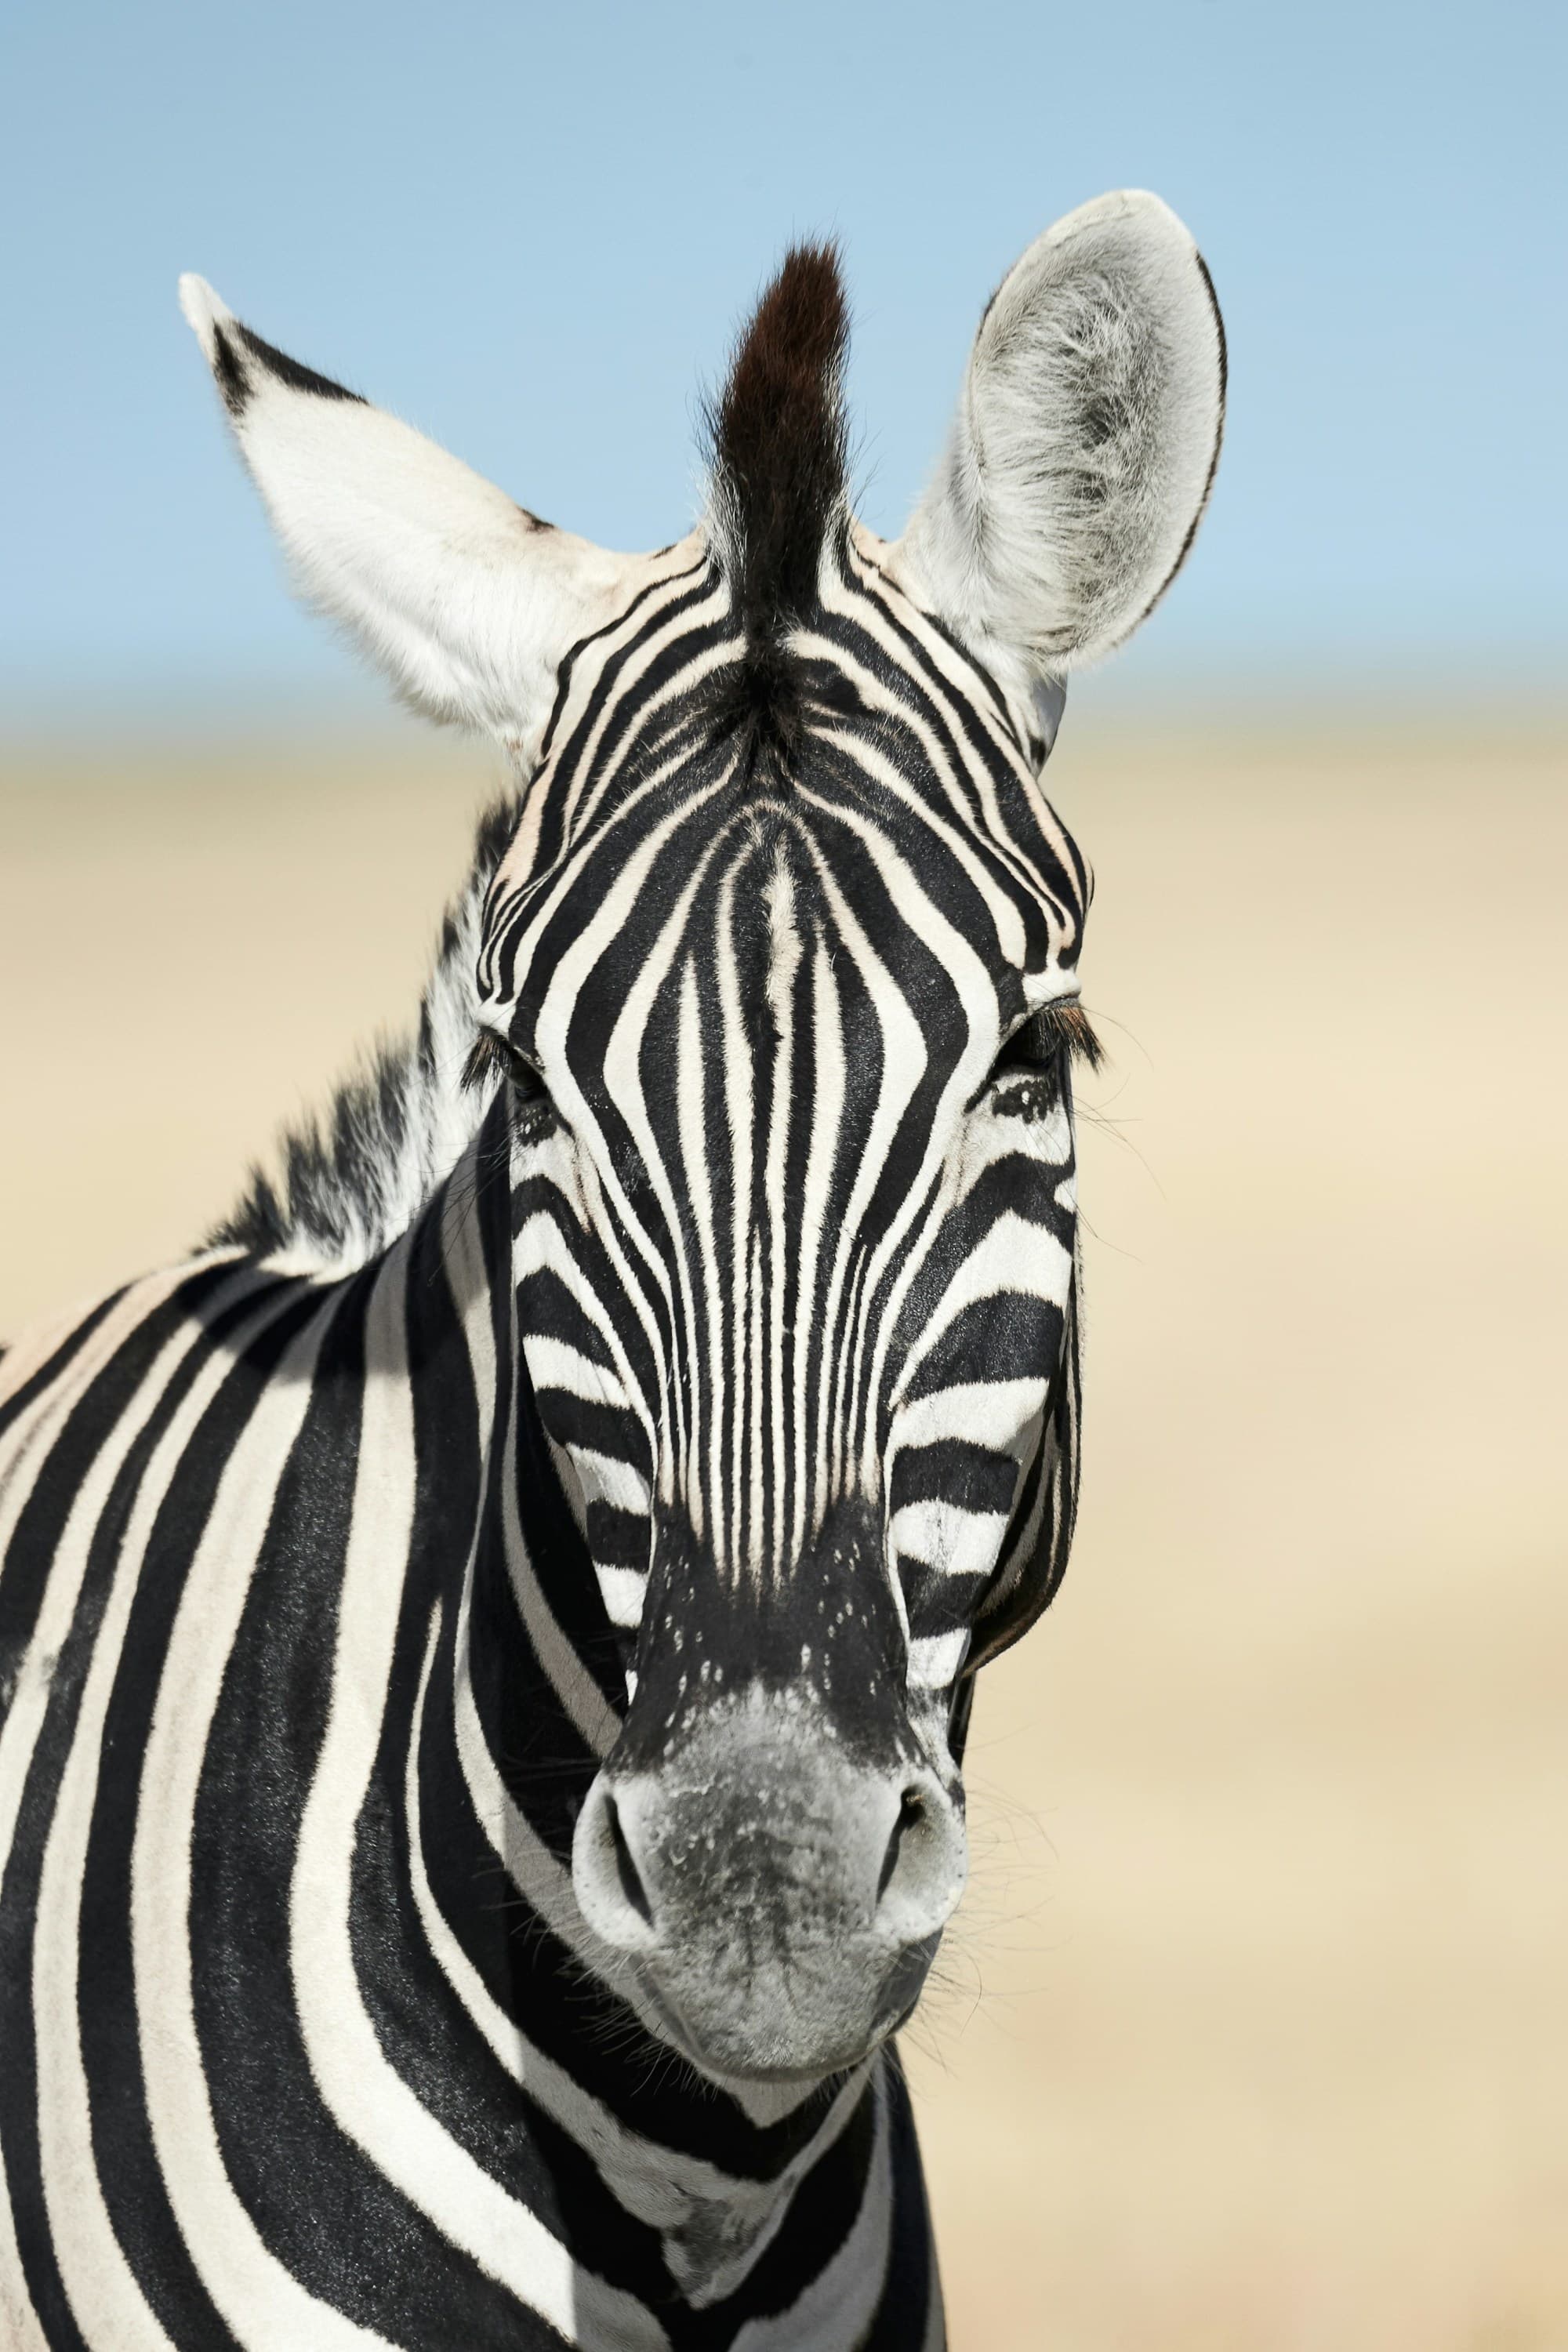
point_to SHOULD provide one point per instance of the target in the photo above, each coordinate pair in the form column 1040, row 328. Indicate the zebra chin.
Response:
column 778, row 1897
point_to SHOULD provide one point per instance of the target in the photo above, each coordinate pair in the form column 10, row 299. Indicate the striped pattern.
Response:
column 325, row 1584
column 817, row 1251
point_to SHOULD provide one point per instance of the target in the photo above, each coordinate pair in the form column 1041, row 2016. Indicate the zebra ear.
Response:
column 1086, row 439
column 463, row 598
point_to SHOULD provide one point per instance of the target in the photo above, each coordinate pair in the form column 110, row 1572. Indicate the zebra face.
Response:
column 787, row 1020
column 781, row 975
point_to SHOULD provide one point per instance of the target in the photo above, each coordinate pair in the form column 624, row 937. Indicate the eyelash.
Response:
column 1054, row 1032
column 495, row 1057
column 533, row 1114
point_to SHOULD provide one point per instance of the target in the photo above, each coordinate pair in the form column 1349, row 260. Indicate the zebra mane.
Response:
column 355, row 1177
column 780, row 457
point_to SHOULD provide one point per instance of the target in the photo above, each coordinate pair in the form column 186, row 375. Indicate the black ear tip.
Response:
column 291, row 372
column 232, row 380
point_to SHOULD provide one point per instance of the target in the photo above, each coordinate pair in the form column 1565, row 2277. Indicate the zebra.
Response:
column 488, row 1640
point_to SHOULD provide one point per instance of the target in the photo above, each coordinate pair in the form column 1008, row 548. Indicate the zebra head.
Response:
column 778, row 982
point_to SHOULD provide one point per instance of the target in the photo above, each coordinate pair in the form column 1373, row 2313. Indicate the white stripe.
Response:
column 1013, row 1257
column 935, row 1658
column 948, row 1540
column 556, row 1364
column 994, row 1414
column 732, row 1408
column 783, row 963
column 369, row 2099
column 693, row 1130
column 624, row 1591
column 822, row 1164
column 605, row 1478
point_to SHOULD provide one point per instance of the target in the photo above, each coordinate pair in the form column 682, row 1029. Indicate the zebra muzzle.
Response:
column 779, row 1900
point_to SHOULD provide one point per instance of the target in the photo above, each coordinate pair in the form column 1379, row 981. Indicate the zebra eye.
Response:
column 1034, row 1062
column 1055, row 1035
column 494, row 1056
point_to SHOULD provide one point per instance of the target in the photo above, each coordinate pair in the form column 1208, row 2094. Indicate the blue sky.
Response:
column 531, row 230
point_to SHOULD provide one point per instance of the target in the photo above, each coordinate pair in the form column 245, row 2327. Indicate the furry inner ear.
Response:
column 1084, row 445
column 463, row 598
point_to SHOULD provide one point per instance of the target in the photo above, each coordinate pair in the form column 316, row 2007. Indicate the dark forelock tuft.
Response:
column 780, row 444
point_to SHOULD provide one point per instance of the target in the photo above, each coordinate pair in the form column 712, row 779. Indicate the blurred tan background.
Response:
column 1253, row 2035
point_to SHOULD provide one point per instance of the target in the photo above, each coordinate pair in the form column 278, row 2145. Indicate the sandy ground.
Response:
column 1253, row 2036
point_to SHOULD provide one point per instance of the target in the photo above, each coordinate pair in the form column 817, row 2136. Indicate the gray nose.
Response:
column 884, row 1862
column 782, row 1900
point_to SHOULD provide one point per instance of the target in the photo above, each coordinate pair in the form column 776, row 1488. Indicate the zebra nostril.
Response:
column 911, row 1812
column 615, row 1897
column 924, row 1868
column 626, row 1868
